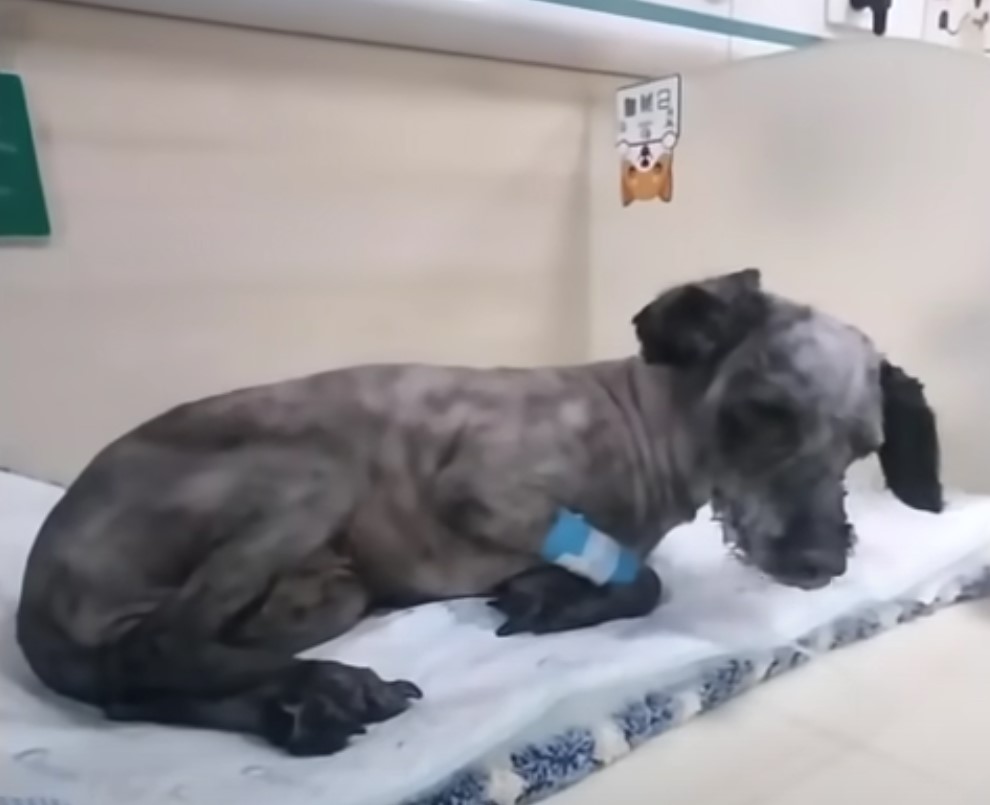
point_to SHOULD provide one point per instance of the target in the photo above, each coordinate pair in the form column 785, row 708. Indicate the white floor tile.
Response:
column 858, row 691
column 943, row 725
column 864, row 778
column 721, row 758
column 901, row 717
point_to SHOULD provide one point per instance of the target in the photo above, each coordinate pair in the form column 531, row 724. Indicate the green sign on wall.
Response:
column 23, row 213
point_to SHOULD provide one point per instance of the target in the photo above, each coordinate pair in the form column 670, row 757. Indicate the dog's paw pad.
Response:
column 324, row 704
column 363, row 694
column 307, row 728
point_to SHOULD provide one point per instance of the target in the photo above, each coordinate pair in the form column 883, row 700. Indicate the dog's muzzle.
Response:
column 807, row 555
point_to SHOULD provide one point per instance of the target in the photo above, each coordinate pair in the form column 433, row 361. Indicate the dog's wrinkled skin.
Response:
column 193, row 557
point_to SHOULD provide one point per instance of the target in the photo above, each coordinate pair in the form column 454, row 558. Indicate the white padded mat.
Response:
column 487, row 701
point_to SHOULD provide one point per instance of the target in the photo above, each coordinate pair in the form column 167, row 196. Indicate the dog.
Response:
column 655, row 182
column 193, row 558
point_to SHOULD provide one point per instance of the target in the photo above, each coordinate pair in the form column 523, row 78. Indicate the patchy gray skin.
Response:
column 194, row 556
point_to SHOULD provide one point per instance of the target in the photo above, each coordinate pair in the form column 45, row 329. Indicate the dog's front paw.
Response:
column 536, row 601
column 550, row 599
column 324, row 704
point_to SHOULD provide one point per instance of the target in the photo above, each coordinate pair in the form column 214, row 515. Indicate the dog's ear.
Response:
column 626, row 179
column 667, row 179
column 910, row 454
column 698, row 324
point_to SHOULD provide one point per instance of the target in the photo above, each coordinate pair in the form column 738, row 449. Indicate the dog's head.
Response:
column 793, row 398
column 645, row 184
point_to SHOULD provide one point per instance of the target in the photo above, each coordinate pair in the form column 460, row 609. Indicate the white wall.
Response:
column 858, row 177
column 234, row 206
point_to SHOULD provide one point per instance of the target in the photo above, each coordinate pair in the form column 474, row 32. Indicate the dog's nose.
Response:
column 816, row 563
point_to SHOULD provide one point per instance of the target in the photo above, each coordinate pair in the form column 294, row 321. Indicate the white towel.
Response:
column 502, row 720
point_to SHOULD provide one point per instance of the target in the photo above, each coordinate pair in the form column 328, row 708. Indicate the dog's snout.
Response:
column 815, row 563
column 809, row 568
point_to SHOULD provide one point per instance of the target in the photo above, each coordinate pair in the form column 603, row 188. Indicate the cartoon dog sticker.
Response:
column 649, row 123
column 650, row 177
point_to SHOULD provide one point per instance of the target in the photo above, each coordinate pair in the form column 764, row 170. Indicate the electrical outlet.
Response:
column 959, row 24
column 905, row 19
column 939, row 16
column 839, row 14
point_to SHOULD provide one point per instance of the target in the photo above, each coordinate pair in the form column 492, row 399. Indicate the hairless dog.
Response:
column 188, row 564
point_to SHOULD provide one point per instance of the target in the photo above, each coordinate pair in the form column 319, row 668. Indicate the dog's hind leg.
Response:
column 305, row 606
column 182, row 664
column 306, row 707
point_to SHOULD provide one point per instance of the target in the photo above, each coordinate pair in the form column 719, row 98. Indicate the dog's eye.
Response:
column 768, row 422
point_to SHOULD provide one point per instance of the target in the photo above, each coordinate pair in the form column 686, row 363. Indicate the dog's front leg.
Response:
column 551, row 599
column 577, row 576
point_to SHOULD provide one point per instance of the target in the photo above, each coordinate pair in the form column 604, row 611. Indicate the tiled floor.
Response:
column 901, row 719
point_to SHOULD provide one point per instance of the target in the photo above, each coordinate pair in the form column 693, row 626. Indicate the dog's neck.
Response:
column 676, row 434
column 659, row 411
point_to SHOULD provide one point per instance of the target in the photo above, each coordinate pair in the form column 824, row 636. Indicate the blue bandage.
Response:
column 573, row 544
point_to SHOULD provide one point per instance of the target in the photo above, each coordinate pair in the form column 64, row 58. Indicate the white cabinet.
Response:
column 765, row 27
column 649, row 50
column 641, row 38
column 720, row 8
column 905, row 19
column 831, row 18
column 742, row 47
column 803, row 16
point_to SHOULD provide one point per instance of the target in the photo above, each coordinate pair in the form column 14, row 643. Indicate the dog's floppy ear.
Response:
column 625, row 179
column 910, row 455
column 699, row 323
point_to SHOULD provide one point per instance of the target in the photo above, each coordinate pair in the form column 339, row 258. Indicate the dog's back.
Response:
column 127, row 539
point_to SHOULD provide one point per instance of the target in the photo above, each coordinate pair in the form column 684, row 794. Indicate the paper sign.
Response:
column 649, row 127
column 23, row 213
